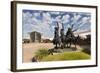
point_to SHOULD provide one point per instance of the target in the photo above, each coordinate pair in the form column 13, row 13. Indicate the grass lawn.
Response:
column 66, row 56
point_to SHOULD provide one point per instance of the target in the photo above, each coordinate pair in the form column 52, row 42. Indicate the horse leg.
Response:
column 75, row 45
column 70, row 44
column 62, row 45
column 59, row 45
column 56, row 46
column 67, row 45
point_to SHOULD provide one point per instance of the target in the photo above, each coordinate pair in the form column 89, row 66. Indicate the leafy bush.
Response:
column 41, row 53
column 67, row 56
column 86, row 51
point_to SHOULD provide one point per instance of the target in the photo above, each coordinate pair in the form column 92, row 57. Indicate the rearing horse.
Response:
column 70, row 38
column 62, row 36
column 56, row 40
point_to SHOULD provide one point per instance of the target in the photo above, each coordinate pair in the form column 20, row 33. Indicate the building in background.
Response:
column 83, row 34
column 35, row 36
column 26, row 41
column 85, row 37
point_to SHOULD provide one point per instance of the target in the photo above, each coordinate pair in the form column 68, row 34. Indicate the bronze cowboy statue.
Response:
column 62, row 37
column 56, row 40
column 70, row 38
column 62, row 40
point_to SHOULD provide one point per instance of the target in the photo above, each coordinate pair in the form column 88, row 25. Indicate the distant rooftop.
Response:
column 83, row 32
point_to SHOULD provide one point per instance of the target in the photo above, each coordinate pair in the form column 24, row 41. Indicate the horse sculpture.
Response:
column 56, row 39
column 70, row 38
column 62, row 40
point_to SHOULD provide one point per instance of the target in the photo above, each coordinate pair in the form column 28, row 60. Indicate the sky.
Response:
column 44, row 22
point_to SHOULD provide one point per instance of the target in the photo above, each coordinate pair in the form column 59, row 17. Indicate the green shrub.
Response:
column 66, row 56
column 39, row 54
column 86, row 51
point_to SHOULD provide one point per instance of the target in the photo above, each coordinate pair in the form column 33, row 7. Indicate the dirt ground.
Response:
column 30, row 48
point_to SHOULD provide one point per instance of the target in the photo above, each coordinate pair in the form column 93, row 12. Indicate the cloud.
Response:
column 58, row 18
column 81, row 21
column 31, row 23
column 55, row 12
column 26, row 17
column 46, row 17
column 84, row 24
column 46, row 23
column 36, row 14
column 66, row 18
column 27, row 14
column 86, row 19
column 75, row 18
